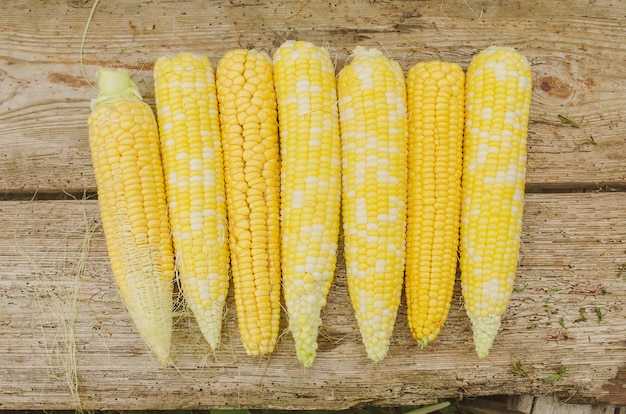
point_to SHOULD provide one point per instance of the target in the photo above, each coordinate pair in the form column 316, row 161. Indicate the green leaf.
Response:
column 567, row 121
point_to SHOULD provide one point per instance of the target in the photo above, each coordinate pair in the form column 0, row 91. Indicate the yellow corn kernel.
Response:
column 436, row 96
column 248, row 119
column 124, row 143
column 310, row 148
column 372, row 108
column 498, row 93
column 188, row 121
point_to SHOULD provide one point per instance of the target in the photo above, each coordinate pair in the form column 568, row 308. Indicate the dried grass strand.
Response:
column 61, row 350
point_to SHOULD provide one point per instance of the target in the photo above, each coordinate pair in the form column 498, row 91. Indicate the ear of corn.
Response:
column 124, row 144
column 188, row 120
column 248, row 118
column 435, row 92
column 372, row 107
column 498, row 95
column 310, row 149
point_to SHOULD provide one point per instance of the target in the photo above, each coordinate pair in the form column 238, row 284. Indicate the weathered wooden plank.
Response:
column 546, row 404
column 576, row 50
column 551, row 405
column 563, row 332
column 520, row 403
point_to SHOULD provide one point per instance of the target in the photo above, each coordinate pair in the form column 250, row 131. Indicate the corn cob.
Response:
column 372, row 113
column 248, row 119
column 310, row 148
column 124, row 143
column 435, row 93
column 498, row 94
column 188, row 121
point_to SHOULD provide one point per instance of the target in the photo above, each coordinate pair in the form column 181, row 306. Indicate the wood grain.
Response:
column 553, row 338
column 576, row 50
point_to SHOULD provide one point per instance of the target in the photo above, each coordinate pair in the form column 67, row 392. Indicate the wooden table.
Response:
column 65, row 339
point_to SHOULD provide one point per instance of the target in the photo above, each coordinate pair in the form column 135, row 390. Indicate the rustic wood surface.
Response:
column 65, row 339
column 526, row 404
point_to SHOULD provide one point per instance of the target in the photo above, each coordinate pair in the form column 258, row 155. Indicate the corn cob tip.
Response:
column 182, row 55
column 377, row 348
column 493, row 48
column 511, row 53
column 304, row 327
column 254, row 52
column 485, row 329
column 423, row 342
column 113, row 85
column 305, row 357
column 161, row 352
column 292, row 43
column 154, row 329
column 363, row 52
column 305, row 338
column 211, row 328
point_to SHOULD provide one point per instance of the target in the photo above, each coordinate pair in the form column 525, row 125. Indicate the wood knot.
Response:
column 67, row 79
column 555, row 88
column 555, row 81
